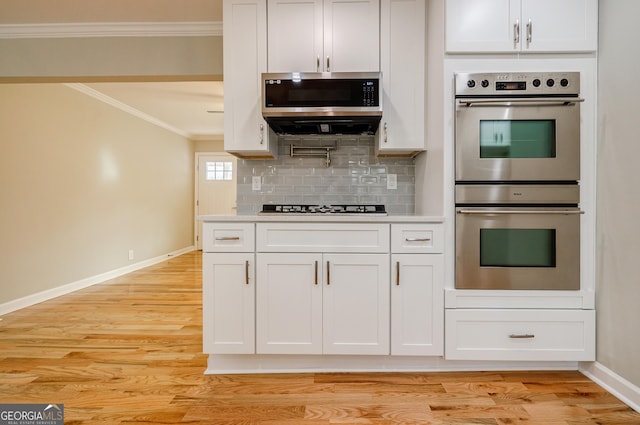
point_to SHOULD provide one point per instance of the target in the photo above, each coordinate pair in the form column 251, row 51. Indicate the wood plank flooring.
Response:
column 129, row 352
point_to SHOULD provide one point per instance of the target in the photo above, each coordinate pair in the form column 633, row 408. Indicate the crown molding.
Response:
column 126, row 108
column 112, row 29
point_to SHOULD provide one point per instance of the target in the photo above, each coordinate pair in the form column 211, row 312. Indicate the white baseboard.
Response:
column 612, row 382
column 276, row 363
column 39, row 297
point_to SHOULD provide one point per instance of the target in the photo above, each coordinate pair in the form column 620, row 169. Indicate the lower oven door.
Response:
column 517, row 248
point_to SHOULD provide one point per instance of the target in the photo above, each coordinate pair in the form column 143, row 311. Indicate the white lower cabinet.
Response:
column 527, row 334
column 314, row 303
column 228, row 295
column 323, row 288
column 417, row 304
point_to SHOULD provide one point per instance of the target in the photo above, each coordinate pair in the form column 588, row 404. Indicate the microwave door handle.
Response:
column 487, row 212
column 559, row 101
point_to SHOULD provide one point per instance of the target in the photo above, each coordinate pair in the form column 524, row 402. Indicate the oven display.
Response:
column 511, row 85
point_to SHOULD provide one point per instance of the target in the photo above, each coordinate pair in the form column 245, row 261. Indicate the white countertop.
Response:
column 324, row 218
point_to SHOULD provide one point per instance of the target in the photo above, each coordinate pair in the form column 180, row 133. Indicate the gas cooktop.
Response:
column 322, row 209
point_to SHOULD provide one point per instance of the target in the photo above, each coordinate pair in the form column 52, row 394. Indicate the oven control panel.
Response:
column 517, row 84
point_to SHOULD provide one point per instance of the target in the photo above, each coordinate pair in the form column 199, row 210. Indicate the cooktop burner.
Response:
column 322, row 209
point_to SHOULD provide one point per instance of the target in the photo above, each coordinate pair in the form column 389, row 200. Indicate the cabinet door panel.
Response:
column 482, row 25
column 289, row 304
column 356, row 304
column 351, row 35
column 417, row 305
column 295, row 35
column 246, row 134
column 402, row 62
column 568, row 25
column 228, row 292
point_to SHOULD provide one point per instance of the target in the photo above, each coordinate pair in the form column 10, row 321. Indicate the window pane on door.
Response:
column 219, row 170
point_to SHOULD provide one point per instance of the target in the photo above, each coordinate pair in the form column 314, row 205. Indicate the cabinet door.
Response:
column 246, row 134
column 557, row 26
column 356, row 304
column 402, row 59
column 351, row 35
column 289, row 303
column 228, row 292
column 295, row 35
column 417, row 305
column 482, row 25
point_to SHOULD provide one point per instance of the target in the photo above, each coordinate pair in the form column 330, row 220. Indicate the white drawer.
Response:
column 228, row 237
column 527, row 335
column 322, row 237
column 417, row 238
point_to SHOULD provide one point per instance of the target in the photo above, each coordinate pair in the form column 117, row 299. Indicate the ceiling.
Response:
column 191, row 108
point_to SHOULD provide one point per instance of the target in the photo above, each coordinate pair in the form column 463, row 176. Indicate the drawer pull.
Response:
column 328, row 274
column 417, row 239
column 521, row 336
column 228, row 238
column 246, row 272
column 397, row 273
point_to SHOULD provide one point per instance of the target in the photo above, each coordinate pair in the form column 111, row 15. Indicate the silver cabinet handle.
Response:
column 328, row 67
column 316, row 273
column 228, row 238
column 529, row 32
column 246, row 272
column 417, row 239
column 318, row 63
column 328, row 274
column 516, row 32
column 521, row 336
column 397, row 273
column 385, row 132
column 261, row 133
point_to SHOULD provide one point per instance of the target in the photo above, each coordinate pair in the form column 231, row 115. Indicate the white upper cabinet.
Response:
column 323, row 36
column 499, row 26
column 246, row 134
column 402, row 62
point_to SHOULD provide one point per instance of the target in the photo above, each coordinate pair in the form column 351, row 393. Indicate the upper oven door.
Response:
column 517, row 139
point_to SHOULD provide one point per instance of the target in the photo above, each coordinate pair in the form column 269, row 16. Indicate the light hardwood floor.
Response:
column 129, row 352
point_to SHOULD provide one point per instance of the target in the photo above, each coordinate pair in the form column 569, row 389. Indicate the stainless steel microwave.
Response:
column 322, row 102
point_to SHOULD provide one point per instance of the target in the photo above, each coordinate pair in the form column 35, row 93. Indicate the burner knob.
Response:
column 564, row 82
column 550, row 82
column 485, row 83
column 471, row 84
column 536, row 82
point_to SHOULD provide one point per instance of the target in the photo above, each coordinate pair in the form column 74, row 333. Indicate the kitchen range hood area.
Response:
column 324, row 103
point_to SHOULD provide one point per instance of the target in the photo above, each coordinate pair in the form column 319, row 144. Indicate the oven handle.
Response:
column 485, row 212
column 554, row 101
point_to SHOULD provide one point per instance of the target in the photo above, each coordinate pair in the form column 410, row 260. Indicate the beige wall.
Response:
column 618, row 212
column 107, row 58
column 82, row 183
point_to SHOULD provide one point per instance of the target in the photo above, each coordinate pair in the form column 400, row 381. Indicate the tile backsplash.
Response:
column 355, row 176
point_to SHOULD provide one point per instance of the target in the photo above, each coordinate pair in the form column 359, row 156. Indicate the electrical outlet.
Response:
column 256, row 183
column 130, row 254
column 392, row 181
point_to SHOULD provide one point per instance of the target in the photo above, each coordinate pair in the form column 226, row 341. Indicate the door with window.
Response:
column 215, row 187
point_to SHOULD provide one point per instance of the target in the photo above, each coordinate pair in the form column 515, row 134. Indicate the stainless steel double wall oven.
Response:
column 517, row 146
